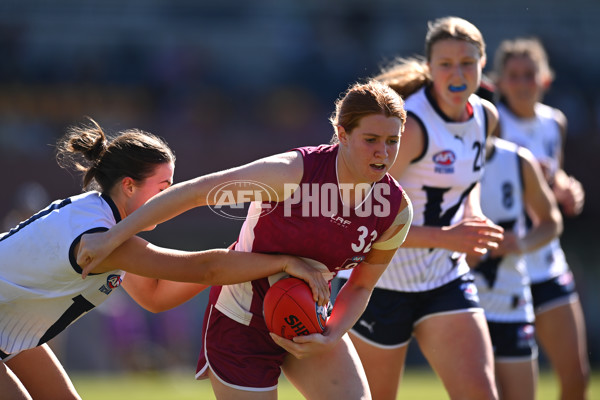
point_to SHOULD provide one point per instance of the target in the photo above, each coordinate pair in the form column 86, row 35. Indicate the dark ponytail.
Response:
column 132, row 153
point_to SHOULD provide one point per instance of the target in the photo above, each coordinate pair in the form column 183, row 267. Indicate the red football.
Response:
column 290, row 310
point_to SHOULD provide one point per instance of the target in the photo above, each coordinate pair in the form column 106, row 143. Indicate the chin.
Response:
column 376, row 177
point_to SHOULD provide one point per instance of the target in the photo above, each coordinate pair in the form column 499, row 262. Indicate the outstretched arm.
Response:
column 210, row 267
column 158, row 295
column 259, row 176
column 472, row 236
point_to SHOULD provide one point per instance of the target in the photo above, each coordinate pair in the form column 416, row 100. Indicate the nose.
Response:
column 382, row 151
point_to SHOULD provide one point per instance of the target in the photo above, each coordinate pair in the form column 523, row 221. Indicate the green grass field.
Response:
column 417, row 385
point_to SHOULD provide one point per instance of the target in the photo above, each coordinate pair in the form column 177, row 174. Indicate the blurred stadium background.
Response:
column 226, row 82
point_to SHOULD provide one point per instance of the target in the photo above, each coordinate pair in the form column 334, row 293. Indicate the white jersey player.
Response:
column 428, row 291
column 438, row 182
column 523, row 75
column 502, row 282
column 39, row 297
column 541, row 135
column 41, row 287
column 512, row 183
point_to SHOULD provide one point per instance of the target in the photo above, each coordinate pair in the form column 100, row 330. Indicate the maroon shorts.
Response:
column 241, row 356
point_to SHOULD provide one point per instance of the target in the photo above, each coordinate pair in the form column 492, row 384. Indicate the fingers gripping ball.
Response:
column 290, row 310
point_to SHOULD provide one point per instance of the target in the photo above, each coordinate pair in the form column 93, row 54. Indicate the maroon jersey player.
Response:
column 239, row 355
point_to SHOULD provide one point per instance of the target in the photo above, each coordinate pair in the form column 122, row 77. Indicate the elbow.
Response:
column 558, row 222
column 154, row 308
column 206, row 275
column 559, row 229
column 209, row 273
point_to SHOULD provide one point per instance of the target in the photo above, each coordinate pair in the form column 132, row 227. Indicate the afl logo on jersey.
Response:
column 112, row 281
column 444, row 161
column 351, row 262
column 444, row 157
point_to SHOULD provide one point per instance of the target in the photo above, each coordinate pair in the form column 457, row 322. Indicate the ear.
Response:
column 546, row 82
column 128, row 186
column 483, row 61
column 342, row 134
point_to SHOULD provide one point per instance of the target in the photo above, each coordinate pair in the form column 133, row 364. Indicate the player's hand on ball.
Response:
column 305, row 345
column 319, row 286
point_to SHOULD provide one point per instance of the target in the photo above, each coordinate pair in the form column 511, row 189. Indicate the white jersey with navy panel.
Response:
column 502, row 282
column 41, row 290
column 437, row 183
column 542, row 136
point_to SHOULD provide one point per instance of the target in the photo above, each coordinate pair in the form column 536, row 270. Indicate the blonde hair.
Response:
column 523, row 47
column 407, row 75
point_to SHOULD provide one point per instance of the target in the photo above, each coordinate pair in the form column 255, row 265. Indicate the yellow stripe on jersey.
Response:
column 403, row 218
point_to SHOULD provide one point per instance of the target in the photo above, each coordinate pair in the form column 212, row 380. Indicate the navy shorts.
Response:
column 390, row 316
column 513, row 341
column 553, row 292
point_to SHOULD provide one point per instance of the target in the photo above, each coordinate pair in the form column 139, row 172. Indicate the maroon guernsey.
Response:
column 312, row 223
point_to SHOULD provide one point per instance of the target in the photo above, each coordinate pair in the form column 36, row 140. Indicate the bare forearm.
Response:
column 473, row 203
column 225, row 267
column 424, row 237
column 540, row 236
column 350, row 303
column 157, row 295
column 210, row 267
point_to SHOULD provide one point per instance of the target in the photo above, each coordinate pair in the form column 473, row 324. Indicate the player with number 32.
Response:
column 239, row 355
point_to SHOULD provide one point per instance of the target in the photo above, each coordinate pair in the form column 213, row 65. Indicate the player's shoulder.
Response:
column 90, row 197
column 406, row 206
column 488, row 106
column 505, row 144
column 92, row 200
column 93, row 208
column 526, row 155
column 549, row 112
column 491, row 112
column 401, row 197
column 315, row 150
column 396, row 190
column 86, row 201
column 314, row 157
column 511, row 147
